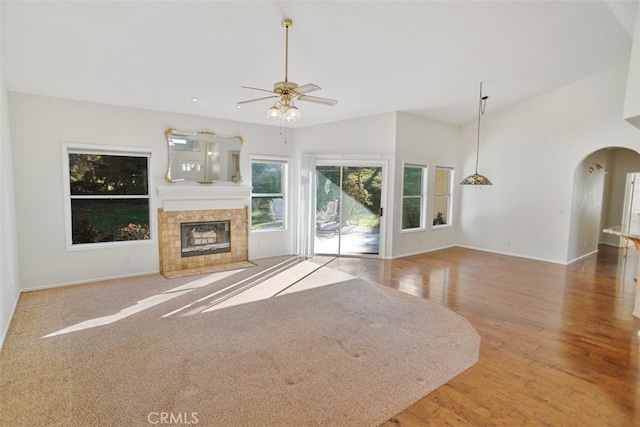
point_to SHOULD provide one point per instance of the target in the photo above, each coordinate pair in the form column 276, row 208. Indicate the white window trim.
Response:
column 449, row 224
column 72, row 147
column 423, row 199
column 285, row 200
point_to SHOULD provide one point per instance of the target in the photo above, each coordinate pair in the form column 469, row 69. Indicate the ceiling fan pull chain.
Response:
column 285, row 132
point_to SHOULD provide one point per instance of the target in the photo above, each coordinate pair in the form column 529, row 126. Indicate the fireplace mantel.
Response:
column 193, row 196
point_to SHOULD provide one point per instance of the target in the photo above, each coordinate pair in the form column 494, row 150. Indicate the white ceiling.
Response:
column 423, row 57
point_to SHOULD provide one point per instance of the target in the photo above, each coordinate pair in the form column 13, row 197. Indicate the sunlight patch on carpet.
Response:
column 145, row 303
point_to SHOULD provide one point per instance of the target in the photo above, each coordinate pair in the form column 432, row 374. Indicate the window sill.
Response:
column 269, row 230
column 110, row 245
column 413, row 230
column 441, row 227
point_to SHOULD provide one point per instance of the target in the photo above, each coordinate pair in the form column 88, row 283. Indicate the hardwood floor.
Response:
column 559, row 344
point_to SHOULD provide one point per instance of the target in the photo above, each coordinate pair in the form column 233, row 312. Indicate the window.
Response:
column 108, row 196
column 268, row 179
column 442, row 196
column 413, row 186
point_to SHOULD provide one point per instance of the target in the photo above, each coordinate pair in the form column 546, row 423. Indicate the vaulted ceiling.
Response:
column 423, row 57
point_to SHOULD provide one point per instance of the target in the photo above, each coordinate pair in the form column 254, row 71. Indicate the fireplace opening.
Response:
column 205, row 238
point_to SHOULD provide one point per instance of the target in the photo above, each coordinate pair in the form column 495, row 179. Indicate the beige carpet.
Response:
column 347, row 354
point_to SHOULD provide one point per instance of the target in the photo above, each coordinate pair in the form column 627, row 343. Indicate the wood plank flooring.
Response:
column 559, row 344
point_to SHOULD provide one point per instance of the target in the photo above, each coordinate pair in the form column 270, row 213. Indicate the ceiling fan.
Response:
column 287, row 91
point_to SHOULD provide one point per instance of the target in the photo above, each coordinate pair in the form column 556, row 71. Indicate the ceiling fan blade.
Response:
column 318, row 100
column 256, row 99
column 309, row 87
column 257, row 88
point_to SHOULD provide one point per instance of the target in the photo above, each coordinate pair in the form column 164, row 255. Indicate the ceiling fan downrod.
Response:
column 286, row 23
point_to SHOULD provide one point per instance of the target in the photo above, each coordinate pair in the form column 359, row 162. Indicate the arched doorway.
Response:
column 598, row 198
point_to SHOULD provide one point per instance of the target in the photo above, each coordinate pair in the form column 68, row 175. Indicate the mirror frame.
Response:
column 231, row 146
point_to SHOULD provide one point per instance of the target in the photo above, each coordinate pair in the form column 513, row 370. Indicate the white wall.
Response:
column 631, row 110
column 39, row 125
column 364, row 136
column 530, row 153
column 428, row 143
column 9, row 284
column 587, row 207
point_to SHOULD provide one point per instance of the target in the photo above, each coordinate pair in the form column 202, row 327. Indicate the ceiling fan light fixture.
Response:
column 274, row 113
column 291, row 114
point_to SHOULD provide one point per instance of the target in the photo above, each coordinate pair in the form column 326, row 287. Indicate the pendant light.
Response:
column 476, row 178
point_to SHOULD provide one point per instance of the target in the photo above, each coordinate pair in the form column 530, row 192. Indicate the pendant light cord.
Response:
column 481, row 108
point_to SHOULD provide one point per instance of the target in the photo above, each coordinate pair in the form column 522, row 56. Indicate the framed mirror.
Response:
column 203, row 157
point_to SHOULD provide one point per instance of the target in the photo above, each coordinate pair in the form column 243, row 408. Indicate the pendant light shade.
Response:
column 476, row 178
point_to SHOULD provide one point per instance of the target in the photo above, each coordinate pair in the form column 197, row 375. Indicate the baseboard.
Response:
column 583, row 256
column 421, row 252
column 5, row 331
column 101, row 279
column 82, row 282
column 552, row 261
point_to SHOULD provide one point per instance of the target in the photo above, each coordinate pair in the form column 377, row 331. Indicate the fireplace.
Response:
column 204, row 238
column 200, row 241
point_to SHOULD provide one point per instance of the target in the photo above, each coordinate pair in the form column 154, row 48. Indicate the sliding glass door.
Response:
column 348, row 209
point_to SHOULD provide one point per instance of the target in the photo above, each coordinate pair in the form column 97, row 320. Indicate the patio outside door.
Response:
column 348, row 202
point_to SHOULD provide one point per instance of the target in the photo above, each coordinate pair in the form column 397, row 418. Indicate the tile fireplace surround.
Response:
column 189, row 202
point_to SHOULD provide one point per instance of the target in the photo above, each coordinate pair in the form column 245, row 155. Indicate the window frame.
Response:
column 110, row 150
column 449, row 196
column 282, row 194
column 422, row 197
